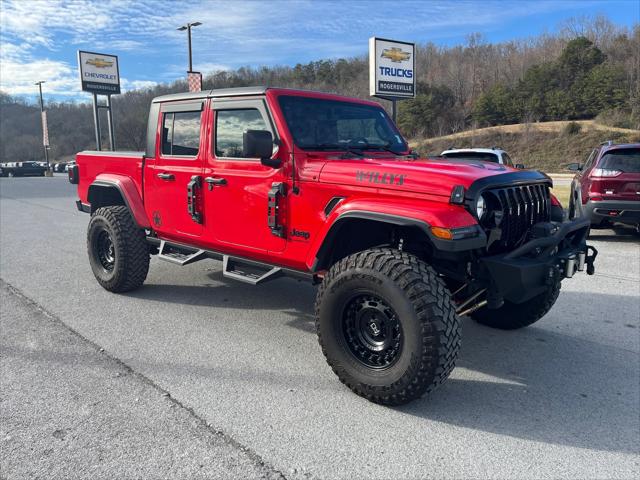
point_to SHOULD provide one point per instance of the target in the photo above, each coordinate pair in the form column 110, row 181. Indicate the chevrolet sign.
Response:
column 391, row 68
column 99, row 73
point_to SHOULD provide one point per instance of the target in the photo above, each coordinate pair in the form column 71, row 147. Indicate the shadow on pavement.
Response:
column 540, row 385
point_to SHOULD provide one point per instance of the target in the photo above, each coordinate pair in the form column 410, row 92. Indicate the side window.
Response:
column 506, row 159
column 590, row 160
column 181, row 133
column 230, row 125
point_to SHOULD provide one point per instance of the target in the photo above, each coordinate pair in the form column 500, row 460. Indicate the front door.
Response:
column 237, row 208
column 175, row 206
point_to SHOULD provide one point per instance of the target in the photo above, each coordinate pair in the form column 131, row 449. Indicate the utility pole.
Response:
column 187, row 27
column 44, row 125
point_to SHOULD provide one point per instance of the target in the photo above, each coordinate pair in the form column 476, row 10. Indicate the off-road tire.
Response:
column 430, row 338
column 130, row 249
column 512, row 316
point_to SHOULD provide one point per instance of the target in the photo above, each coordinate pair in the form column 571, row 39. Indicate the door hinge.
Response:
column 193, row 188
column 273, row 206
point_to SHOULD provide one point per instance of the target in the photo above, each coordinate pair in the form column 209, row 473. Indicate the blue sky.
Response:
column 40, row 38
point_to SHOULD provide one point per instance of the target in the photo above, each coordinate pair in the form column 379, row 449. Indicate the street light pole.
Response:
column 187, row 27
column 46, row 153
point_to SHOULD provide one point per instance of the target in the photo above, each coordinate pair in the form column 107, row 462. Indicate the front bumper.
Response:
column 609, row 211
column 556, row 251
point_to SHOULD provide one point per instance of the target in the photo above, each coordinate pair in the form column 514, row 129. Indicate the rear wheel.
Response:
column 387, row 326
column 512, row 316
column 118, row 251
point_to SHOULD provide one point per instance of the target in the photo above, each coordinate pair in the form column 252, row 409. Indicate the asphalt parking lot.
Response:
column 195, row 375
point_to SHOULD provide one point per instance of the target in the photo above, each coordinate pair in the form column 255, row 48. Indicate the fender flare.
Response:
column 399, row 220
column 127, row 189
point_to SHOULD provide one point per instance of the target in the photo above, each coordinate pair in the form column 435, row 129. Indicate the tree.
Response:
column 497, row 106
column 428, row 113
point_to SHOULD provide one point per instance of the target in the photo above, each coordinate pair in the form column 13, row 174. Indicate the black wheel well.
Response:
column 352, row 235
column 103, row 196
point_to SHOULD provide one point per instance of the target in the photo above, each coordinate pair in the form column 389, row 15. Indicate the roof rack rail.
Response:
column 607, row 143
column 495, row 147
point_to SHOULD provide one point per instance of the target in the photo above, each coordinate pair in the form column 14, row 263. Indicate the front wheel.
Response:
column 387, row 326
column 512, row 316
column 118, row 251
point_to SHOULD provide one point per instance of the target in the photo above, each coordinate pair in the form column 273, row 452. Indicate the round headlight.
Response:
column 481, row 207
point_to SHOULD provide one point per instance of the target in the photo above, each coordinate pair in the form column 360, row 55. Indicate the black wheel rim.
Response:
column 105, row 250
column 372, row 331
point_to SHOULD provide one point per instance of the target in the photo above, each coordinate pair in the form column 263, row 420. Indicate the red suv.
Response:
column 606, row 188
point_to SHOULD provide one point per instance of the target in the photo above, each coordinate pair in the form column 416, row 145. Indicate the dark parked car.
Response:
column 607, row 187
column 60, row 167
column 22, row 169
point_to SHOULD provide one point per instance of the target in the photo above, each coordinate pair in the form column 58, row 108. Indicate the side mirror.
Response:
column 259, row 144
column 574, row 167
column 520, row 166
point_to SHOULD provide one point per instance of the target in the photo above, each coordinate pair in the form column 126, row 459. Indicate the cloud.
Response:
column 127, row 85
column 18, row 78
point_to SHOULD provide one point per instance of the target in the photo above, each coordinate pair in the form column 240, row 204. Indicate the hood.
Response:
column 432, row 176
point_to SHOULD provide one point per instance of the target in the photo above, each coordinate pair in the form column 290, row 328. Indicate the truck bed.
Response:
column 91, row 164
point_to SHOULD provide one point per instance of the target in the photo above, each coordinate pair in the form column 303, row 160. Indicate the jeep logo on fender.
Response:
column 381, row 178
column 300, row 234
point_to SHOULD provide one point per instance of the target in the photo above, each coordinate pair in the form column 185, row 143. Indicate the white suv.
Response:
column 495, row 155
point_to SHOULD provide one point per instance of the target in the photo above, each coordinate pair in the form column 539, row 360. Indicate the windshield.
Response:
column 483, row 156
column 623, row 160
column 318, row 124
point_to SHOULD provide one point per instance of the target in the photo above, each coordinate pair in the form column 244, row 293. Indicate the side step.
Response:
column 243, row 270
column 182, row 256
column 248, row 272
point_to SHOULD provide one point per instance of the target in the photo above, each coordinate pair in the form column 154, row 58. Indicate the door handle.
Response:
column 166, row 176
column 212, row 182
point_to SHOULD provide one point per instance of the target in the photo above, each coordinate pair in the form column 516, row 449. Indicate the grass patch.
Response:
column 562, row 193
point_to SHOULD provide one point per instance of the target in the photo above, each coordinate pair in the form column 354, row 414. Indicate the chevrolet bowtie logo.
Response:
column 100, row 62
column 395, row 54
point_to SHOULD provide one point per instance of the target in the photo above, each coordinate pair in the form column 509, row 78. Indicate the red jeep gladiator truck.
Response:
column 279, row 182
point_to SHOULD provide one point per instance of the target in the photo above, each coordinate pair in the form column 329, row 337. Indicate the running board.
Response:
column 248, row 272
column 179, row 256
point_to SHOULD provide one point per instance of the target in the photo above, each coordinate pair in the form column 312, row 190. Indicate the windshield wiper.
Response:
column 385, row 146
column 336, row 146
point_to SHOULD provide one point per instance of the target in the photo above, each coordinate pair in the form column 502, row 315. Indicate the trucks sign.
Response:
column 99, row 73
column 391, row 68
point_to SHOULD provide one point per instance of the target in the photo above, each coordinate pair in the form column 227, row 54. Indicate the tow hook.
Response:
column 590, row 259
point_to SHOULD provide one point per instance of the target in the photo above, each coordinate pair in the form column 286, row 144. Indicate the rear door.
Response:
column 178, row 164
column 237, row 210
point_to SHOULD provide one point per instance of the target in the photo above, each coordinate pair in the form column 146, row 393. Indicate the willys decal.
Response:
column 381, row 178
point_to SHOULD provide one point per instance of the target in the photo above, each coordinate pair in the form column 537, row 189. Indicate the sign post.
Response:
column 392, row 66
column 100, row 75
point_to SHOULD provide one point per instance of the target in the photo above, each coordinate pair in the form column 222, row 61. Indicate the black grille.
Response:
column 512, row 211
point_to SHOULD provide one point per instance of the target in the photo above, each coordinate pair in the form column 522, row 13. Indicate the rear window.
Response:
column 623, row 160
column 485, row 157
column 181, row 134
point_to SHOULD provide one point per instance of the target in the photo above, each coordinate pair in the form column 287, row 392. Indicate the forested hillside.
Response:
column 590, row 68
